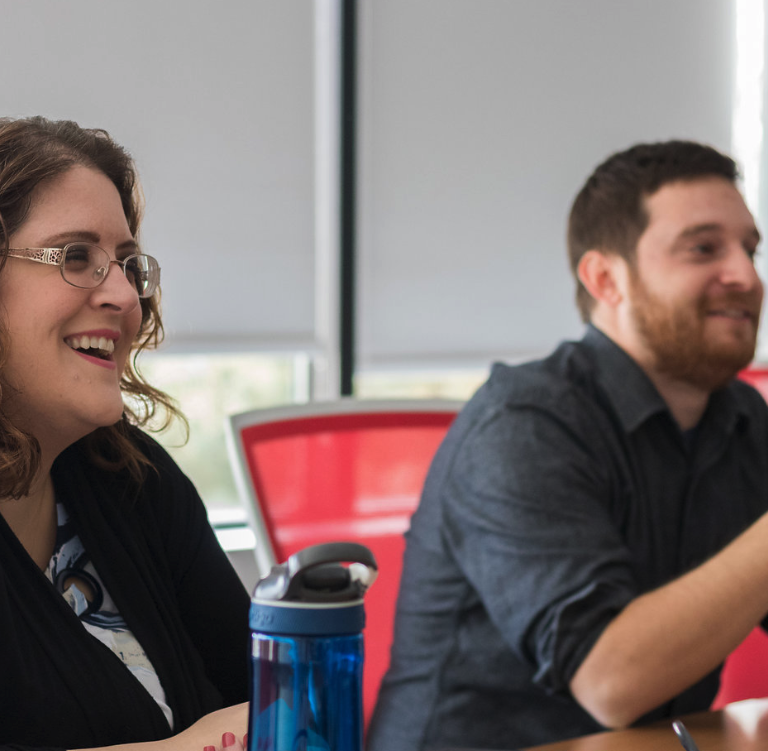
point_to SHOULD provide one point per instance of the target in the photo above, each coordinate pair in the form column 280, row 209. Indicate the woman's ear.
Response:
column 602, row 274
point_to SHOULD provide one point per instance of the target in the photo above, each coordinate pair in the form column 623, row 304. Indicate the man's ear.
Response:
column 601, row 274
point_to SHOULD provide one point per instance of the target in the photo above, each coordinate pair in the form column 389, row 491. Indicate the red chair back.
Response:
column 745, row 673
column 346, row 470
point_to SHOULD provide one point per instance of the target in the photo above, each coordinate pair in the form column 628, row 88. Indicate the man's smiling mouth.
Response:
column 731, row 313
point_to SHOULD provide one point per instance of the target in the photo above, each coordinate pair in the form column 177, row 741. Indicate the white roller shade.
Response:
column 215, row 101
column 480, row 120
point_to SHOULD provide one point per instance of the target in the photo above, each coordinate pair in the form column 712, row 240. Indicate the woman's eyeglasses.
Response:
column 85, row 265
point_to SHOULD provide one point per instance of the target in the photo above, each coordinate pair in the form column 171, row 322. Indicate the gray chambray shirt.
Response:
column 563, row 490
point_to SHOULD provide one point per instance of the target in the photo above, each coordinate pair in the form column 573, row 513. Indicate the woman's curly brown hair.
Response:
column 34, row 150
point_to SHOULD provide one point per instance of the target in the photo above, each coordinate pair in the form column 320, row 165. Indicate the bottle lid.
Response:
column 314, row 593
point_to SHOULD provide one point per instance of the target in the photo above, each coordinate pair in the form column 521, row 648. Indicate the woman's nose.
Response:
column 117, row 290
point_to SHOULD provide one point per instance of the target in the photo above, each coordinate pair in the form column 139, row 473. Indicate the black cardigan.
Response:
column 162, row 565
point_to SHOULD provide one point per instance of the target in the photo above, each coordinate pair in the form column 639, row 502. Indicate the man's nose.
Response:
column 738, row 269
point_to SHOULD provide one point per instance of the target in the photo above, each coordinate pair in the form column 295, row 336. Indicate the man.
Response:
column 591, row 542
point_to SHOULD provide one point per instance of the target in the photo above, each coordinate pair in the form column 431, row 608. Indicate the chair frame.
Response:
column 264, row 550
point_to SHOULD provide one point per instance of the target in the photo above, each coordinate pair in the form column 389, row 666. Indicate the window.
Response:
column 208, row 387
column 419, row 384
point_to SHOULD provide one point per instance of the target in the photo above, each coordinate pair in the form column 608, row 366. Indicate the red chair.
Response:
column 340, row 470
column 745, row 673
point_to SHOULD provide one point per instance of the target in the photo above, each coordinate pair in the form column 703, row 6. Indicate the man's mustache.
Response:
column 751, row 302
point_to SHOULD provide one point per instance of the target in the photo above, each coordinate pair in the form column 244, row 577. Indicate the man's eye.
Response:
column 704, row 249
column 751, row 251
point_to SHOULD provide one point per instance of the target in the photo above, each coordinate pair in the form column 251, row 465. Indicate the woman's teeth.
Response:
column 106, row 346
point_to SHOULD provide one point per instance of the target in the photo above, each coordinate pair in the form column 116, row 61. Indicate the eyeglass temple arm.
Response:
column 51, row 256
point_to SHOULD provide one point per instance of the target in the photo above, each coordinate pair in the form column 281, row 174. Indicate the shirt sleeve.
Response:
column 527, row 515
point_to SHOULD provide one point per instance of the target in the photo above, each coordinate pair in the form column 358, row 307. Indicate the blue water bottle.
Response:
column 307, row 617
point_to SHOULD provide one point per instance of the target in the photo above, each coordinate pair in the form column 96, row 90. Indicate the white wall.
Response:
column 480, row 120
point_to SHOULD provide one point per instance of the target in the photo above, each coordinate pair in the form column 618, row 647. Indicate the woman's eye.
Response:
column 77, row 256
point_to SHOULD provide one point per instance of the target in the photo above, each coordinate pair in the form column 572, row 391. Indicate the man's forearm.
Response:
column 666, row 640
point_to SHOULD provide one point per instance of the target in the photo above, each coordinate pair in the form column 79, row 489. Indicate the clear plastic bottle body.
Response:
column 306, row 693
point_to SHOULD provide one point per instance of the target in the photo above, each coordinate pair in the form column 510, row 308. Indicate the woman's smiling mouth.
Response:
column 99, row 347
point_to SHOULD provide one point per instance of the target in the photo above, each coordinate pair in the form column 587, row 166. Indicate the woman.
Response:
column 121, row 620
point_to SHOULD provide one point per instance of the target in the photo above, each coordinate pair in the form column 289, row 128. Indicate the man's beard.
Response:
column 674, row 333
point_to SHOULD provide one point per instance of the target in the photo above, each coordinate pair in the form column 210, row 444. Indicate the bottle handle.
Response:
column 330, row 552
column 287, row 580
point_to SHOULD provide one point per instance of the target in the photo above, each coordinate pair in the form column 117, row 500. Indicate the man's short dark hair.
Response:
column 609, row 213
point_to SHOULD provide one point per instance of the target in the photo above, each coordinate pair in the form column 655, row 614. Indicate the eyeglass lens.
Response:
column 86, row 265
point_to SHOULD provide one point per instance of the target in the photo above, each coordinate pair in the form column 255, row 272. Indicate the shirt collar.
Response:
column 633, row 395
column 631, row 392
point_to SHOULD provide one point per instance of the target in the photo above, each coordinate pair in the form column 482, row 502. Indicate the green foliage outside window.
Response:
column 208, row 388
